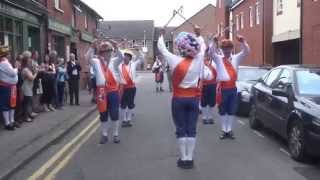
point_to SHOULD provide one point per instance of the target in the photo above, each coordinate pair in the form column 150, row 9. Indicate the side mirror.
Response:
column 280, row 92
column 260, row 80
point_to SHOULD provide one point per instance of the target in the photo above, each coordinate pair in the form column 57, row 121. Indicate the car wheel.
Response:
column 253, row 120
column 296, row 141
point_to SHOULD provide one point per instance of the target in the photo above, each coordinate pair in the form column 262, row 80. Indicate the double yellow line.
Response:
column 64, row 155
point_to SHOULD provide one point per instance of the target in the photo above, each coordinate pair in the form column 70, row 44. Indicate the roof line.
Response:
column 236, row 4
column 88, row 7
column 195, row 15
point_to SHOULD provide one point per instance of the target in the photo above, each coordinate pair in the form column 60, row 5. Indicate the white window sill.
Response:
column 58, row 9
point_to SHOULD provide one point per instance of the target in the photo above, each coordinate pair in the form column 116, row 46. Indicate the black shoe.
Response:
column 9, row 128
column 231, row 135
column 103, row 140
column 161, row 90
column 16, row 125
column 124, row 124
column 77, row 104
column 189, row 164
column 181, row 164
column 116, row 139
column 210, row 121
column 129, row 124
column 223, row 135
column 205, row 121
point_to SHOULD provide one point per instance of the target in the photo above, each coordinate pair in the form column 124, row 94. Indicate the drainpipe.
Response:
column 301, row 33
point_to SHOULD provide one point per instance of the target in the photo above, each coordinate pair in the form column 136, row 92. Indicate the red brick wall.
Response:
column 221, row 15
column 258, row 36
column 66, row 6
column 311, row 32
column 205, row 18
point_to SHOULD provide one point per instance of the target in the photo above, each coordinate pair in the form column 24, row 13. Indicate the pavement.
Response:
column 20, row 146
column 148, row 150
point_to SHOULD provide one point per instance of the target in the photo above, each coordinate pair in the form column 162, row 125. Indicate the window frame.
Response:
column 242, row 20
column 57, row 5
column 237, row 23
column 275, row 79
column 279, row 7
column 250, row 16
column 258, row 13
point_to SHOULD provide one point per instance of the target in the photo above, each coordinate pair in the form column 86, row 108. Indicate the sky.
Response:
column 158, row 10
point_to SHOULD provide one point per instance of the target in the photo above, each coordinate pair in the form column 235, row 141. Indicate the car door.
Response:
column 264, row 96
column 279, row 106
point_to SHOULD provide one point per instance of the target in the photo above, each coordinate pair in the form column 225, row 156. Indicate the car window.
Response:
column 308, row 82
column 284, row 78
column 273, row 75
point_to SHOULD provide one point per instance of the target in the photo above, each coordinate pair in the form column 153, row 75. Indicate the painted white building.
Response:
column 286, row 20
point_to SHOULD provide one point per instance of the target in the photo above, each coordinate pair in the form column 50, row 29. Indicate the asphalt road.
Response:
column 148, row 150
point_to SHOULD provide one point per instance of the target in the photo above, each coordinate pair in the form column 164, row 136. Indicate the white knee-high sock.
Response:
column 211, row 110
column 104, row 128
column 224, row 122
column 182, row 143
column 124, row 114
column 6, row 117
column 230, row 123
column 116, row 125
column 191, row 143
column 204, row 113
column 12, row 115
column 129, row 114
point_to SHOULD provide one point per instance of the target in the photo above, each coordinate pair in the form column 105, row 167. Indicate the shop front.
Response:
column 20, row 30
column 59, row 37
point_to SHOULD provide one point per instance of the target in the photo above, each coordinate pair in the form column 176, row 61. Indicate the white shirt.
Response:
column 207, row 73
column 157, row 65
column 236, row 59
column 98, row 71
column 8, row 74
column 195, row 71
column 131, row 68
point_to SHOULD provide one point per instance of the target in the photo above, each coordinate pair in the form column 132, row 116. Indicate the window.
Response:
column 257, row 13
column 284, row 78
column 308, row 82
column 251, row 16
column 279, row 7
column 57, row 5
column 273, row 75
column 86, row 22
column 73, row 19
column 237, row 23
column 219, row 3
column 242, row 20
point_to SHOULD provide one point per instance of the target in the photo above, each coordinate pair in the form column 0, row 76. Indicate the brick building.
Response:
column 310, row 31
column 222, row 17
column 253, row 20
column 71, row 28
column 286, row 31
column 205, row 18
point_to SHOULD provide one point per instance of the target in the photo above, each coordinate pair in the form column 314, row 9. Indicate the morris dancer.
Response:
column 227, row 69
column 128, row 76
column 186, row 73
column 208, row 95
column 106, row 73
column 157, row 69
column 8, row 89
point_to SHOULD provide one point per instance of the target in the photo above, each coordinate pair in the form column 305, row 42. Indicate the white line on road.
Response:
column 241, row 122
column 40, row 172
column 258, row 134
column 285, row 151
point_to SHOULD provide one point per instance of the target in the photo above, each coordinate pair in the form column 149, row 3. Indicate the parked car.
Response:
column 247, row 77
column 287, row 100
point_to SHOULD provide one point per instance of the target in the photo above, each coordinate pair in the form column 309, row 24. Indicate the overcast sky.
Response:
column 158, row 10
